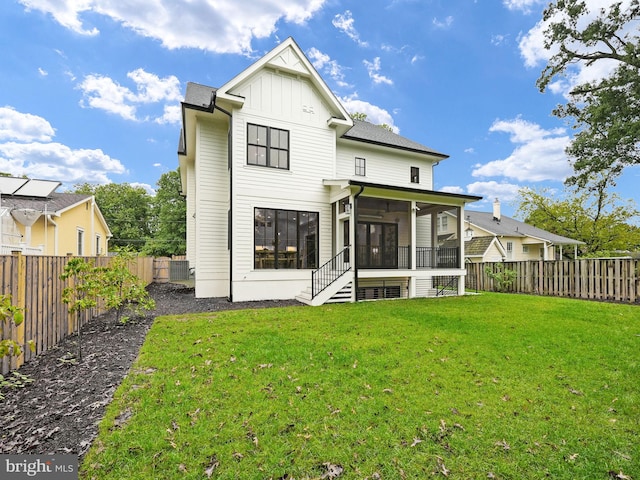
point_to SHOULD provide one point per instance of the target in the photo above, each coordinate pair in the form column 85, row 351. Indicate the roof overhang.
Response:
column 417, row 194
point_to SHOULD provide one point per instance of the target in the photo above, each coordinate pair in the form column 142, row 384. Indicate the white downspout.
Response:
column 55, row 234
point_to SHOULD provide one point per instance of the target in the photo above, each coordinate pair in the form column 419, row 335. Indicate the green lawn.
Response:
column 487, row 386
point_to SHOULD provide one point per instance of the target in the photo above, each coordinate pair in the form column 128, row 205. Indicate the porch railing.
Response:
column 426, row 257
column 330, row 272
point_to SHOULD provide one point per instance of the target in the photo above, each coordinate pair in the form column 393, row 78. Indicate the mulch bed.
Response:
column 59, row 411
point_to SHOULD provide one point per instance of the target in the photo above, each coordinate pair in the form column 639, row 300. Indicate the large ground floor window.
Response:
column 285, row 238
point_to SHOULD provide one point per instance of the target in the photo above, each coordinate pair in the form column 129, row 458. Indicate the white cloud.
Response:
column 523, row 5
column 375, row 114
column 24, row 127
column 42, row 72
column 443, row 24
column 374, row 68
column 345, row 23
column 323, row 63
column 29, row 150
column 538, row 156
column 104, row 93
column 219, row 26
column 492, row 189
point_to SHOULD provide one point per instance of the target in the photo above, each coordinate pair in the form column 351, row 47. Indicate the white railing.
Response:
column 6, row 249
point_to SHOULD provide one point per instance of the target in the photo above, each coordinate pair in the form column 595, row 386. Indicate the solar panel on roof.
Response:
column 8, row 185
column 37, row 188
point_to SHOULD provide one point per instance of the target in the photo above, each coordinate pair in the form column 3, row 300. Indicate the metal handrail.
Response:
column 329, row 272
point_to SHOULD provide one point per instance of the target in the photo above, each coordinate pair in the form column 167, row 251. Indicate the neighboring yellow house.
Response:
column 39, row 221
column 493, row 237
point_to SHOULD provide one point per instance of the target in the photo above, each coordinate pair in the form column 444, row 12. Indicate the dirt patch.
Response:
column 60, row 410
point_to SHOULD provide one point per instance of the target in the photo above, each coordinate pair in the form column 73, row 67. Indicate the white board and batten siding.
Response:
column 212, row 204
column 286, row 102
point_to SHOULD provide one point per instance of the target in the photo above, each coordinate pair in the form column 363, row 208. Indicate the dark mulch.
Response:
column 60, row 410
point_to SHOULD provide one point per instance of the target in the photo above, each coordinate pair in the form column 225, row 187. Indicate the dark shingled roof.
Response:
column 477, row 245
column 510, row 227
column 54, row 202
column 375, row 134
column 199, row 96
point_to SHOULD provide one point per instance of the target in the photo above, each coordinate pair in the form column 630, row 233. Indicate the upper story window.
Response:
column 267, row 146
column 361, row 166
column 80, row 242
column 415, row 175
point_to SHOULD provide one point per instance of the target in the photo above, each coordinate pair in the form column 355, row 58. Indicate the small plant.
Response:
column 121, row 289
column 502, row 277
column 14, row 380
column 82, row 291
column 8, row 313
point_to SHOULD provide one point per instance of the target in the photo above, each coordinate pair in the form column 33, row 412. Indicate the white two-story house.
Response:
column 288, row 197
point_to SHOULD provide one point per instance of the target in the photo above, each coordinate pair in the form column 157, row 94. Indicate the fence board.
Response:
column 595, row 279
column 36, row 279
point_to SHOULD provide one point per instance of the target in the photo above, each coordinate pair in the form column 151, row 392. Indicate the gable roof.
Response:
column 375, row 134
column 478, row 246
column 55, row 203
column 509, row 227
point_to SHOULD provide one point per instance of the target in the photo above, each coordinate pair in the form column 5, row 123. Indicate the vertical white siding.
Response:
column 212, row 204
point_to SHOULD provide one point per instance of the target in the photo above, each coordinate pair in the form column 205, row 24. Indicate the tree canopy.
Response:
column 600, row 220
column 605, row 112
column 127, row 210
column 168, row 224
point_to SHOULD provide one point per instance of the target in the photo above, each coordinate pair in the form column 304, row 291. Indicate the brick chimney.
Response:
column 496, row 210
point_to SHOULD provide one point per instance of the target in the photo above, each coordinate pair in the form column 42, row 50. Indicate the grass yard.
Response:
column 488, row 386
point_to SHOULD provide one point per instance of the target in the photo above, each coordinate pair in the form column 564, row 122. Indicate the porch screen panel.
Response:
column 285, row 239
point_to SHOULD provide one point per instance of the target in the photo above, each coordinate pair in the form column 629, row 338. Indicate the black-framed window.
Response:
column 285, row 239
column 361, row 166
column 415, row 175
column 267, row 146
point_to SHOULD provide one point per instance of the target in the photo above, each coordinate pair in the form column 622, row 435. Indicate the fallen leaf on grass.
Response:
column 333, row 471
column 416, row 441
column 619, row 475
column 441, row 469
column 505, row 446
column 214, row 463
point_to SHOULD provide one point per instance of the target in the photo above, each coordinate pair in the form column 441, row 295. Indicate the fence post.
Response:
column 20, row 302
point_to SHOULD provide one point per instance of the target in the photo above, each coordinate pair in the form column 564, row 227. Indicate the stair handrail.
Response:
column 328, row 273
column 452, row 281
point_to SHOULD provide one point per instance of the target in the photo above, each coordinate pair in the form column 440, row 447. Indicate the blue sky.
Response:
column 90, row 89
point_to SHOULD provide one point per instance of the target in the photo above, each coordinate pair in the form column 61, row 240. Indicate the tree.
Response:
column 599, row 220
column 169, row 223
column 605, row 112
column 127, row 210
column 363, row 118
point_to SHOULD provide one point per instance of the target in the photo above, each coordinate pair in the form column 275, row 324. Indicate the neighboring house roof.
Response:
column 369, row 133
column 478, row 246
column 55, row 203
column 509, row 227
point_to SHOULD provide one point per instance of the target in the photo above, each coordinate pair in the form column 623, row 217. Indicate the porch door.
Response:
column 377, row 245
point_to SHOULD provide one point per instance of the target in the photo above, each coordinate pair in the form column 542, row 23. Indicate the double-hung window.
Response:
column 361, row 167
column 285, row 239
column 267, row 146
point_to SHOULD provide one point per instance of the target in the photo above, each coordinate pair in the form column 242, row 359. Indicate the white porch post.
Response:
column 461, row 260
column 412, row 248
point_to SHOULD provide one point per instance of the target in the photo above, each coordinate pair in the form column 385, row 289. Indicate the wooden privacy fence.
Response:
column 34, row 284
column 607, row 279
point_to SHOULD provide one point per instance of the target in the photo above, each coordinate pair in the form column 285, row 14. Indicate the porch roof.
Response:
column 421, row 193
